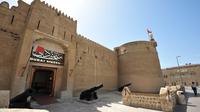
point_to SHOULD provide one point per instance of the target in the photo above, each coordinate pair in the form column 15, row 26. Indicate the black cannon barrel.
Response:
column 96, row 88
column 20, row 101
column 122, row 87
column 90, row 94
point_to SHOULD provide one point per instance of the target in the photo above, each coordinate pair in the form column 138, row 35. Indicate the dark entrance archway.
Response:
column 42, row 82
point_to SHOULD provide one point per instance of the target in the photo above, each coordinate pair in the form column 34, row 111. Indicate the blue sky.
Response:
column 175, row 24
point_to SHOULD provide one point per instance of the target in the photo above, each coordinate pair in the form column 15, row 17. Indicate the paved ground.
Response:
column 22, row 110
column 111, row 102
column 193, row 102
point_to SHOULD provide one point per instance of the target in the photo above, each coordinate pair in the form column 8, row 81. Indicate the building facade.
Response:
column 41, row 49
column 184, row 75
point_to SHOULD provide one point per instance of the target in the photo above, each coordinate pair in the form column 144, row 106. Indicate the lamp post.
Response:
column 179, row 69
column 177, row 60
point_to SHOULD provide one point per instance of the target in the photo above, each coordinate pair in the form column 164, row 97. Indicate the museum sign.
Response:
column 40, row 54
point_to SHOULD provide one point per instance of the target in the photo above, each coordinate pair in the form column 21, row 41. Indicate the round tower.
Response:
column 139, row 65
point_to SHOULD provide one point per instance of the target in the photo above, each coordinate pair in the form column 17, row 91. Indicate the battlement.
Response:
column 57, row 11
column 13, row 19
column 93, row 43
column 4, row 4
column 20, row 3
column 52, row 21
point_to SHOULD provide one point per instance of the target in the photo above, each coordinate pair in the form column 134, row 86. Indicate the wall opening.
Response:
column 42, row 82
column 53, row 30
column 71, row 38
column 64, row 34
column 12, row 20
column 38, row 26
column 76, row 45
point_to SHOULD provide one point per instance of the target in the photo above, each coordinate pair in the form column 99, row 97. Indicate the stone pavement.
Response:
column 193, row 102
column 111, row 102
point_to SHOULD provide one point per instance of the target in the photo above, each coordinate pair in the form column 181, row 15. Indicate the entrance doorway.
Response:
column 42, row 82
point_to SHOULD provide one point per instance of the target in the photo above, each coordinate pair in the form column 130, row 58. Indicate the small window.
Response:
column 13, row 17
column 71, row 38
column 53, row 30
column 76, row 45
column 38, row 26
column 64, row 34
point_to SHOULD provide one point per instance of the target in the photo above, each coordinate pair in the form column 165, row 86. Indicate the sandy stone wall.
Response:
column 11, row 27
column 8, row 49
column 139, row 64
column 51, row 21
column 165, row 100
column 95, row 64
column 14, row 19
column 182, row 75
column 5, row 98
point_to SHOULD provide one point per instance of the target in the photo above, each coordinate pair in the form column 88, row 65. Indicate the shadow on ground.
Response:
column 104, row 102
column 109, row 102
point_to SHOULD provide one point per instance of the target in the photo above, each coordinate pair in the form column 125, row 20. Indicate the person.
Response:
column 194, row 88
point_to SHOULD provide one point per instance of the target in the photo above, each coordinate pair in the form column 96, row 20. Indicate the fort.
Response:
column 41, row 49
column 182, row 75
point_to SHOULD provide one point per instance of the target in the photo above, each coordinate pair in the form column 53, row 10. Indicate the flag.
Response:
column 148, row 31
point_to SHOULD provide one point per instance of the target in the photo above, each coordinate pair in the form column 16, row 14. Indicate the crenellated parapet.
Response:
column 20, row 5
column 13, row 19
column 94, row 50
column 4, row 4
column 92, row 43
column 83, row 38
column 57, row 11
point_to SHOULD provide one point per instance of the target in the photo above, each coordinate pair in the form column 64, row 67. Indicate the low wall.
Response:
column 165, row 101
column 4, row 98
column 151, row 101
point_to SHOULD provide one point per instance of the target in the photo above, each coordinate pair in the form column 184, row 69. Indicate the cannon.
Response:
column 122, row 87
column 21, row 100
column 90, row 94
